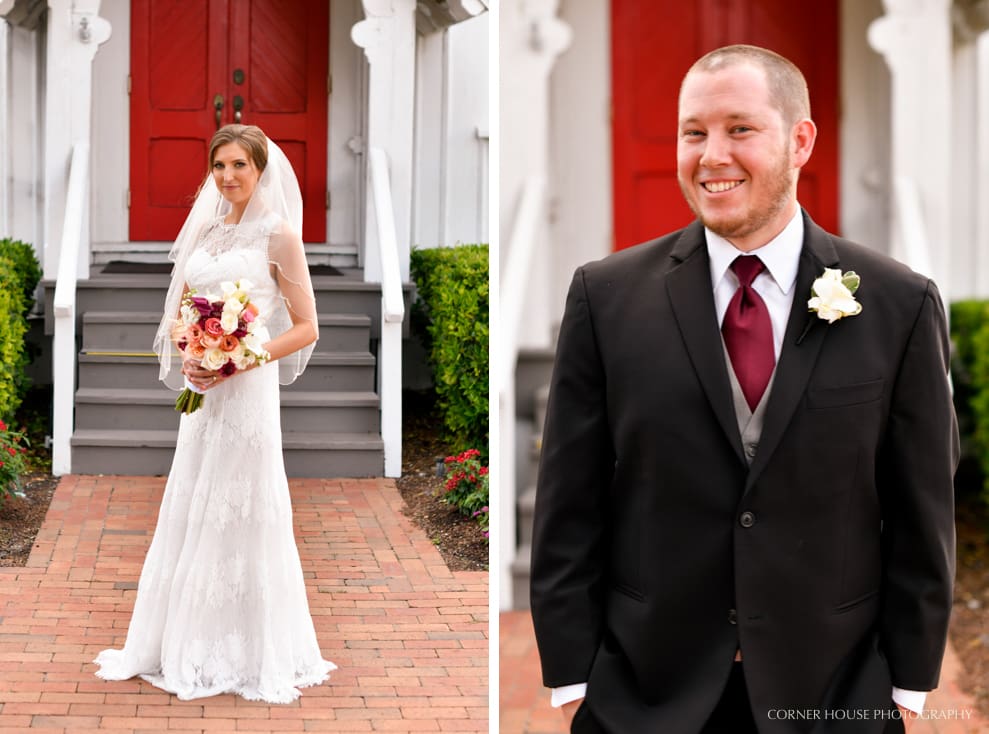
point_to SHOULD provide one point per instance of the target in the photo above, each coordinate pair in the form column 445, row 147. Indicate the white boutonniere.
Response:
column 833, row 295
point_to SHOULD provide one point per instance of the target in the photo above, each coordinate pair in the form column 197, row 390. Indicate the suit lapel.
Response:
column 804, row 336
column 689, row 288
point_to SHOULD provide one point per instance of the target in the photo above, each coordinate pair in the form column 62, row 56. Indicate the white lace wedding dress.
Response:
column 221, row 605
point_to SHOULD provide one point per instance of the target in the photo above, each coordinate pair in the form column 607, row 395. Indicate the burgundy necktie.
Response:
column 748, row 332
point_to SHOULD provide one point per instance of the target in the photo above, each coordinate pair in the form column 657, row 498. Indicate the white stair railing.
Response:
column 64, row 341
column 514, row 284
column 392, row 315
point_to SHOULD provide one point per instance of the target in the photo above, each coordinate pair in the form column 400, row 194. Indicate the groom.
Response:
column 744, row 517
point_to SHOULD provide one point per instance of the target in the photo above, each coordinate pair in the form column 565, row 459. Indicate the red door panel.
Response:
column 284, row 55
column 183, row 54
column 654, row 42
column 174, row 65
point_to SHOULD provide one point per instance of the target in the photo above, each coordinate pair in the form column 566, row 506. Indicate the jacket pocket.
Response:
column 845, row 395
column 629, row 591
column 856, row 602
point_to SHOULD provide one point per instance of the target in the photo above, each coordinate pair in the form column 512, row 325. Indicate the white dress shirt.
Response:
column 781, row 256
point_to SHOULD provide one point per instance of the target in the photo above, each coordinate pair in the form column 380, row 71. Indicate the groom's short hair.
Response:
column 787, row 85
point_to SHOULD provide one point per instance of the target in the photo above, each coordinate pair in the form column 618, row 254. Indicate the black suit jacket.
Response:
column 658, row 551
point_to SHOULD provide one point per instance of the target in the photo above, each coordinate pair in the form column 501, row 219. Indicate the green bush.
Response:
column 24, row 266
column 970, row 378
column 19, row 276
column 451, row 317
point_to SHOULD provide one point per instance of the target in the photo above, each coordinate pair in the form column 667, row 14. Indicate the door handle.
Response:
column 238, row 106
column 218, row 104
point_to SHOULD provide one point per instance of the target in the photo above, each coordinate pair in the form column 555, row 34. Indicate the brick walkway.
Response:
column 409, row 636
column 525, row 707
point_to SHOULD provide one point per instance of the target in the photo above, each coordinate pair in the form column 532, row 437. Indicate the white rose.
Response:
column 190, row 315
column 228, row 320
column 242, row 358
column 228, row 288
column 232, row 304
column 833, row 299
column 214, row 359
column 254, row 344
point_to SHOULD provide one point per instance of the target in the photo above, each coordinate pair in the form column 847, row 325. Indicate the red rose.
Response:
column 12, row 451
column 3, row 426
column 214, row 327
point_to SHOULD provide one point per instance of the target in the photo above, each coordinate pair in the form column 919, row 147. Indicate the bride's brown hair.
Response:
column 250, row 137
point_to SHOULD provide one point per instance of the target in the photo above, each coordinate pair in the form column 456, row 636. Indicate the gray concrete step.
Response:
column 520, row 576
column 341, row 371
column 533, row 370
column 526, row 511
column 144, row 409
column 141, row 293
column 119, row 331
column 540, row 399
column 150, row 452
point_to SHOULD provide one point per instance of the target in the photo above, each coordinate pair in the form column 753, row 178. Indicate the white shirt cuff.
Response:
column 913, row 700
column 566, row 694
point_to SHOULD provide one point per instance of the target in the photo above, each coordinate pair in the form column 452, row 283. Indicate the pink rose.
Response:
column 213, row 327
column 211, row 342
column 195, row 333
column 247, row 316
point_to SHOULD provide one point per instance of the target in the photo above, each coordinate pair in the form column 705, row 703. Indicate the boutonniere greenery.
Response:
column 834, row 295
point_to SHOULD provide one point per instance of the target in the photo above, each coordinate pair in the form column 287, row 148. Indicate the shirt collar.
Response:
column 781, row 255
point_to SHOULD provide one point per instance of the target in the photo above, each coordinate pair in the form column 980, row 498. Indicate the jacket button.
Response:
column 732, row 616
column 750, row 449
column 746, row 519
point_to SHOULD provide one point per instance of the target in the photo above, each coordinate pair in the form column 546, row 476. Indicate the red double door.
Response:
column 199, row 64
column 654, row 42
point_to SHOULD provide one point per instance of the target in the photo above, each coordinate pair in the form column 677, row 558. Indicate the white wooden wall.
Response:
column 450, row 187
column 21, row 54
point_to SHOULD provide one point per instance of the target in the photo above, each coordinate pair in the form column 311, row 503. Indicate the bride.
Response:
column 221, row 605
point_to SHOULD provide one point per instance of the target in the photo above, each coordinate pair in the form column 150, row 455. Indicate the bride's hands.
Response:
column 199, row 376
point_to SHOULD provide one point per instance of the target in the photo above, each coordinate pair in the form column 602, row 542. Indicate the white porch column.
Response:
column 915, row 39
column 5, row 98
column 531, row 38
column 388, row 37
column 75, row 33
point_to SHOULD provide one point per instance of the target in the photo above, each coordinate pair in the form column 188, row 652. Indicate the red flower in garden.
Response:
column 12, row 451
column 3, row 426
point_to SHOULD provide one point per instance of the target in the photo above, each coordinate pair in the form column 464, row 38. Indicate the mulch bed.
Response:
column 970, row 621
column 458, row 538
column 21, row 517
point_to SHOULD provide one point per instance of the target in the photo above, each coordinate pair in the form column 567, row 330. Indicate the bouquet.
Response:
column 221, row 332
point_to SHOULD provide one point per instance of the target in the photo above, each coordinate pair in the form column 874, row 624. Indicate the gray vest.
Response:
column 749, row 421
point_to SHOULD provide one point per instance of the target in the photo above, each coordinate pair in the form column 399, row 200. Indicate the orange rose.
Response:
column 211, row 342
column 229, row 343
column 196, row 351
